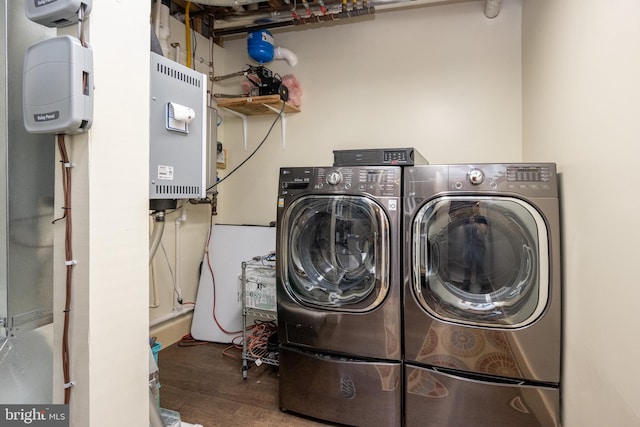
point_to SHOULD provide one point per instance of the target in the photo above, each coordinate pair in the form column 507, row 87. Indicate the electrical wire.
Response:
column 213, row 279
column 69, row 262
column 194, row 41
column 189, row 341
column 258, row 340
column 168, row 262
column 68, row 234
column 153, row 265
column 257, row 343
column 211, row 74
column 226, row 352
column 254, row 151
column 264, row 260
column 236, row 345
column 211, row 45
column 81, row 15
column 173, row 276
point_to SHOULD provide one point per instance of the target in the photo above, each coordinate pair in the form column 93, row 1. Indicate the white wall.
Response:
column 109, row 322
column 443, row 79
column 581, row 92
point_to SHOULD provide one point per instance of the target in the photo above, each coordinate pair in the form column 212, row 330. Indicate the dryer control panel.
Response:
column 537, row 180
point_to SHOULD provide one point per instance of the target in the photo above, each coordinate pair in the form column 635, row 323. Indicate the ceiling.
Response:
column 219, row 18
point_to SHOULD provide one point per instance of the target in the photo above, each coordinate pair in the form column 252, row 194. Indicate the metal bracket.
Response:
column 283, row 122
column 26, row 321
column 244, row 124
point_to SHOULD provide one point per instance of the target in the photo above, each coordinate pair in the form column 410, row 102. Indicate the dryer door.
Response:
column 336, row 252
column 481, row 260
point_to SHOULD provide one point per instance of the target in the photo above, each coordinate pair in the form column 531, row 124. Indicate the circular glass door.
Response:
column 336, row 251
column 481, row 260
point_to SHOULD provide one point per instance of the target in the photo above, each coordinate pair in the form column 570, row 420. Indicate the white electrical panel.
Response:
column 58, row 86
column 55, row 13
column 177, row 131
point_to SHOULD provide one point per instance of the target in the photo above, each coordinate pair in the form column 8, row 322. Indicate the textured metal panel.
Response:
column 435, row 399
column 4, row 207
column 339, row 389
column 177, row 160
column 30, row 174
column 27, row 164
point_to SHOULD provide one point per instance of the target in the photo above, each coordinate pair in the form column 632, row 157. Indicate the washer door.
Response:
column 336, row 252
column 481, row 261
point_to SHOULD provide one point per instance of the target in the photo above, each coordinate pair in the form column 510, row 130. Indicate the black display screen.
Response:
column 531, row 174
column 376, row 176
column 394, row 157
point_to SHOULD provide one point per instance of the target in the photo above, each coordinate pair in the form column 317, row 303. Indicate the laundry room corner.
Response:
column 579, row 92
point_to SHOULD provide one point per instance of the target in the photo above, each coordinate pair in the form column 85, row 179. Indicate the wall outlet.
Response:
column 221, row 160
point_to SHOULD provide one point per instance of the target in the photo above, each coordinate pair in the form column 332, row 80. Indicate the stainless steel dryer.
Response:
column 338, row 284
column 482, row 296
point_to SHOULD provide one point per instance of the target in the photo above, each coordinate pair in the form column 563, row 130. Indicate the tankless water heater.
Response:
column 178, row 131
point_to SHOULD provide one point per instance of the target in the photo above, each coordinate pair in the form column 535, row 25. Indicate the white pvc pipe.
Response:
column 172, row 315
column 163, row 31
column 225, row 3
column 156, row 237
column 177, row 259
column 155, row 417
column 286, row 54
column 154, row 243
column 154, row 282
column 157, row 19
column 492, row 8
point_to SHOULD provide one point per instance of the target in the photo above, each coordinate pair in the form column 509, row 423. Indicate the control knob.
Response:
column 334, row 178
column 476, row 176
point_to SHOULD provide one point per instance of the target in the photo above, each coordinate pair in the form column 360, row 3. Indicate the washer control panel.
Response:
column 373, row 180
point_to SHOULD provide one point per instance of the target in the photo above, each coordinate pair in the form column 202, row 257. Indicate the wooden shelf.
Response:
column 256, row 105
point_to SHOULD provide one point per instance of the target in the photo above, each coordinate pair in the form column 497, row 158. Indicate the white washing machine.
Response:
column 338, row 292
column 482, row 295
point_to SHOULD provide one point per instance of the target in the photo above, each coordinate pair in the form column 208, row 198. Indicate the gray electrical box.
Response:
column 58, row 86
column 178, row 132
column 55, row 13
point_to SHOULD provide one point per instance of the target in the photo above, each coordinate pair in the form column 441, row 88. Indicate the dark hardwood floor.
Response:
column 207, row 388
